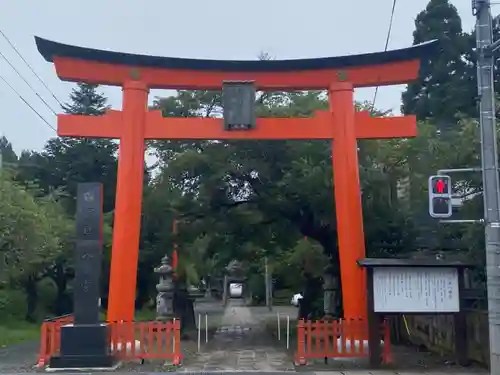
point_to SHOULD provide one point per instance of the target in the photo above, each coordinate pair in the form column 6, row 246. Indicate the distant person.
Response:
column 296, row 299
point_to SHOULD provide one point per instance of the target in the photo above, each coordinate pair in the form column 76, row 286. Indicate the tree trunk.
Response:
column 184, row 309
column 311, row 306
column 62, row 303
column 31, row 291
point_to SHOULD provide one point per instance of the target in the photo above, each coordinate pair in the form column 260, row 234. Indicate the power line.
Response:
column 63, row 143
column 388, row 38
column 26, row 81
column 30, row 86
column 30, row 68
column 28, row 104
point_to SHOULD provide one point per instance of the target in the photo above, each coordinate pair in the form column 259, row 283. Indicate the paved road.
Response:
column 355, row 372
column 239, row 345
column 390, row 372
column 18, row 357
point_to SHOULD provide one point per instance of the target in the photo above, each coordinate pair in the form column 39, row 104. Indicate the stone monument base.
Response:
column 84, row 346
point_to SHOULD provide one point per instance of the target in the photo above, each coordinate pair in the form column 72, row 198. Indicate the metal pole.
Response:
column 266, row 281
column 461, row 221
column 279, row 328
column 199, row 332
column 489, row 164
column 288, row 331
column 458, row 170
column 266, row 275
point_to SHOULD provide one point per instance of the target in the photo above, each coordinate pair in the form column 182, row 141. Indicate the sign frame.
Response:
column 421, row 290
column 374, row 317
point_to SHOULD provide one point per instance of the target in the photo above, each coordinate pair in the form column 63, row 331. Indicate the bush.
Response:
column 12, row 305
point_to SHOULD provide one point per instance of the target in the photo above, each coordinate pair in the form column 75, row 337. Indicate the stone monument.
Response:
column 165, row 288
column 86, row 343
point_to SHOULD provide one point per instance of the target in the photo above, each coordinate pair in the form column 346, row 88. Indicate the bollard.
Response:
column 206, row 328
column 288, row 331
column 279, row 330
column 199, row 332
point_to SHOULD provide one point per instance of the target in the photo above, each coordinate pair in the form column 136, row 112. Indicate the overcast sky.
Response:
column 217, row 29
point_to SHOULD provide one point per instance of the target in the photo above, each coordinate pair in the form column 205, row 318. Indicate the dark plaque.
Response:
column 88, row 253
column 238, row 103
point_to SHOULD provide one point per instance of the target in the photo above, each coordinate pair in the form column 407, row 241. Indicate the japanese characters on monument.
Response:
column 415, row 289
column 88, row 253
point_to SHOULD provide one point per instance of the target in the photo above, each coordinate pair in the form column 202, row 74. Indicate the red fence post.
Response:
column 177, row 355
column 300, row 356
column 42, row 355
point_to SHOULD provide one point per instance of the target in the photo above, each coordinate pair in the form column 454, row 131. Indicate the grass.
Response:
column 16, row 332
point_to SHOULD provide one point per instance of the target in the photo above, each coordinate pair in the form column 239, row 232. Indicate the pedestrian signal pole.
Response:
column 486, row 49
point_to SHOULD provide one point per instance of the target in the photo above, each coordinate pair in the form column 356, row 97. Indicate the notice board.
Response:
column 416, row 290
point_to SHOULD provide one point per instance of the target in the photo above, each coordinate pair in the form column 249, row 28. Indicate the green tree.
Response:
column 6, row 151
column 85, row 100
column 58, row 169
column 33, row 234
column 269, row 195
column 446, row 86
column 66, row 162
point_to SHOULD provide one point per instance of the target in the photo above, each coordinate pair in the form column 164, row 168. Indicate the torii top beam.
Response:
column 80, row 64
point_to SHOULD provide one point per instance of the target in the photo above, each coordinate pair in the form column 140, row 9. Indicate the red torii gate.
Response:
column 135, row 123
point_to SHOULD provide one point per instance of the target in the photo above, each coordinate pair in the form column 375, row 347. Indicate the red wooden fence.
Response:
column 129, row 340
column 150, row 340
column 344, row 338
column 50, row 340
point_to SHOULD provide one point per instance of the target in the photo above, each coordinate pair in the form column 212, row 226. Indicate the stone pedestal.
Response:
column 165, row 288
column 84, row 346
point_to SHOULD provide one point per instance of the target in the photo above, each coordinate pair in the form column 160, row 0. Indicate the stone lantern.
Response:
column 165, row 288
column 330, row 289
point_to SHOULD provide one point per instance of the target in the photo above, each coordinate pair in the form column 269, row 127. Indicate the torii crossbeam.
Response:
column 134, row 124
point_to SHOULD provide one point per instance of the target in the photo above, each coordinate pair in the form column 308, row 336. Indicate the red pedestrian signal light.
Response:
column 440, row 205
column 440, row 184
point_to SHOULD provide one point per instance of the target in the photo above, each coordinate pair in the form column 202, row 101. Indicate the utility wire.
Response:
column 30, row 86
column 63, row 143
column 27, row 103
column 26, row 81
column 388, row 38
column 30, row 68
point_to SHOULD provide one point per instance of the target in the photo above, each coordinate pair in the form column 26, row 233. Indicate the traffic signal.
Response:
column 440, row 196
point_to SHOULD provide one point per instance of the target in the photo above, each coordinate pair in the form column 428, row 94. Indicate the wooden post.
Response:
column 373, row 324
column 460, row 325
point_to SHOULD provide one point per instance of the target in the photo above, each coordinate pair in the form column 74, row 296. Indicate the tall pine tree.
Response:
column 446, row 86
column 7, row 151
column 85, row 100
column 66, row 162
